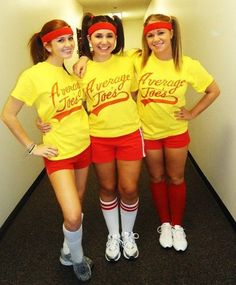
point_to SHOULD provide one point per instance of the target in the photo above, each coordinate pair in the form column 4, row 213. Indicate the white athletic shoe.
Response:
column 179, row 238
column 65, row 259
column 112, row 252
column 165, row 238
column 130, row 249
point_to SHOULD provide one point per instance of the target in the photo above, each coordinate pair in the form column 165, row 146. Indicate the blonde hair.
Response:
column 175, row 41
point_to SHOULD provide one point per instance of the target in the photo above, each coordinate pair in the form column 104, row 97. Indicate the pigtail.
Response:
column 86, row 22
column 120, row 35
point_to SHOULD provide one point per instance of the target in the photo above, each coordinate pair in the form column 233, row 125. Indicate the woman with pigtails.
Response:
column 116, row 140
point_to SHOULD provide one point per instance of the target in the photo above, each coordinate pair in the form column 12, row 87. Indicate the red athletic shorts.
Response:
column 177, row 141
column 127, row 147
column 81, row 160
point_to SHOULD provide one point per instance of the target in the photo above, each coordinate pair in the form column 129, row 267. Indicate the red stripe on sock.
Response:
column 110, row 206
column 129, row 208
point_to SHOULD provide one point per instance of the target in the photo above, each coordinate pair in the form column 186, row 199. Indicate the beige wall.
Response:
column 19, row 20
column 132, row 30
column 209, row 35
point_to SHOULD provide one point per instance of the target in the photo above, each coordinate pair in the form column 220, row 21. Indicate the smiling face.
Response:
column 103, row 43
column 159, row 41
column 60, row 48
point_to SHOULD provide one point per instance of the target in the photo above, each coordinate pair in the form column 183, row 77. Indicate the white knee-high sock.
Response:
column 65, row 247
column 74, row 242
column 111, row 215
column 128, row 215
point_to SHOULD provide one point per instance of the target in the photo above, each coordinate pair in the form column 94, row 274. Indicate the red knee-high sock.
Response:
column 160, row 199
column 177, row 196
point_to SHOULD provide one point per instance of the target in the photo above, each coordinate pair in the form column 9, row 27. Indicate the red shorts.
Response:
column 81, row 160
column 177, row 141
column 127, row 147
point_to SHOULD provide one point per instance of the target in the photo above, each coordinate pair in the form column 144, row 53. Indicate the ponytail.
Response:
column 37, row 50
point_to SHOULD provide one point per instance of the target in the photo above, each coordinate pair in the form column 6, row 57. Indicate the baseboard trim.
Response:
column 214, row 194
column 20, row 205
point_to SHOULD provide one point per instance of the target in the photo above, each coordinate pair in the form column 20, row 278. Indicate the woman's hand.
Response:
column 79, row 67
column 183, row 114
column 43, row 127
column 45, row 151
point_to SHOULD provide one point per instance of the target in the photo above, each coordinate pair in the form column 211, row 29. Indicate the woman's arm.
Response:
column 42, row 126
column 79, row 67
column 9, row 117
column 211, row 93
column 134, row 95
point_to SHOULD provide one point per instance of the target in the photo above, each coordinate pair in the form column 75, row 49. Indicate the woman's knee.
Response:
column 176, row 179
column 129, row 192
column 157, row 178
column 73, row 221
column 108, row 188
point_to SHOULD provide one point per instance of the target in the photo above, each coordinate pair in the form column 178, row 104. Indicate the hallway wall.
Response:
column 19, row 21
column 133, row 36
column 209, row 35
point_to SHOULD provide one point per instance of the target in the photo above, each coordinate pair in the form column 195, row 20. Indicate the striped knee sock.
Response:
column 128, row 215
column 111, row 215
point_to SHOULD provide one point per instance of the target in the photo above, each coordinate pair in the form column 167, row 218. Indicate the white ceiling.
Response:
column 131, row 9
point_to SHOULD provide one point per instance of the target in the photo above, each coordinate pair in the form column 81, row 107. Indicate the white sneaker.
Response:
column 112, row 252
column 179, row 238
column 65, row 259
column 165, row 238
column 130, row 249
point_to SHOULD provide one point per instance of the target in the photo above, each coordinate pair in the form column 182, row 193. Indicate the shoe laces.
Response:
column 179, row 233
column 164, row 227
column 128, row 239
column 113, row 241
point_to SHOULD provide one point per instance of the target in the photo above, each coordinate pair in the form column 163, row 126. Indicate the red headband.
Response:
column 56, row 33
column 157, row 25
column 101, row 26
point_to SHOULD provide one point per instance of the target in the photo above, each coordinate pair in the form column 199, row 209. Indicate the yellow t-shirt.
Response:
column 57, row 97
column 162, row 92
column 107, row 87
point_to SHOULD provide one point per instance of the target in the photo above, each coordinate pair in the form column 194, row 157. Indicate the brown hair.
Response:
column 175, row 41
column 37, row 50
